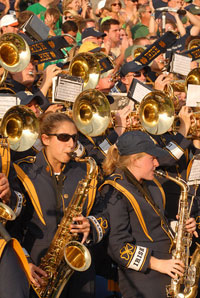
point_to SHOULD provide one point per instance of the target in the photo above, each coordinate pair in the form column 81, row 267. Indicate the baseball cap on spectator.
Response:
column 139, row 30
column 89, row 46
column 26, row 97
column 8, row 20
column 92, row 32
column 132, row 66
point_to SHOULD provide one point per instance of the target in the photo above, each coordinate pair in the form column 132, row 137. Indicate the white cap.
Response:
column 8, row 20
column 101, row 4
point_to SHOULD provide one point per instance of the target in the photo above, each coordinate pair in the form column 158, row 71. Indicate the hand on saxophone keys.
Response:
column 37, row 275
column 81, row 225
column 191, row 226
column 172, row 267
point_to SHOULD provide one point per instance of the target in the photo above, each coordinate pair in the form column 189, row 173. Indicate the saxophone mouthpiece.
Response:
column 72, row 155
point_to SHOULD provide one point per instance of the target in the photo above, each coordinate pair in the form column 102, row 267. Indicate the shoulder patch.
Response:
column 27, row 159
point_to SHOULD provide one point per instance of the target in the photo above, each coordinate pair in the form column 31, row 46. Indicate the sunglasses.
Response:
column 115, row 4
column 64, row 137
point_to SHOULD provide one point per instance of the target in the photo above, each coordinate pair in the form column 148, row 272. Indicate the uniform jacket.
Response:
column 136, row 234
column 41, row 217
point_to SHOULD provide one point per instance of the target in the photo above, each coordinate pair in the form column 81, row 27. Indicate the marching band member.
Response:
column 139, row 238
column 50, row 179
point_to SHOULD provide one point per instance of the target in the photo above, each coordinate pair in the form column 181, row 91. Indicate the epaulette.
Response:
column 27, row 159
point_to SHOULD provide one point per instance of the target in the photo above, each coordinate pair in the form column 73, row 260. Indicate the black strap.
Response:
column 145, row 192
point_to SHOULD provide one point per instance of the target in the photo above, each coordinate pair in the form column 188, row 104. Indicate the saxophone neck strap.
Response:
column 58, row 186
column 146, row 194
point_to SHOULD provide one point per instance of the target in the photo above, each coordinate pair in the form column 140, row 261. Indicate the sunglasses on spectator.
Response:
column 68, row 17
column 64, row 137
column 115, row 4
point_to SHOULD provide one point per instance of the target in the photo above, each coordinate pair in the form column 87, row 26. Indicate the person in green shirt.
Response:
column 70, row 28
column 40, row 8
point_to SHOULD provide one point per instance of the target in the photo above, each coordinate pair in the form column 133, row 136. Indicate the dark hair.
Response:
column 107, row 24
column 69, row 26
column 48, row 122
column 23, row 17
column 53, row 11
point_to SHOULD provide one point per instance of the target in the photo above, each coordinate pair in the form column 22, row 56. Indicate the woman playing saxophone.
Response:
column 52, row 177
column 139, row 238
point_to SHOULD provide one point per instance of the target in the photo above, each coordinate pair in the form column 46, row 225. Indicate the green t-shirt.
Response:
column 38, row 9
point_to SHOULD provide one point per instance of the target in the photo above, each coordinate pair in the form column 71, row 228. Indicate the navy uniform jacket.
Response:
column 136, row 234
column 41, row 220
column 41, row 217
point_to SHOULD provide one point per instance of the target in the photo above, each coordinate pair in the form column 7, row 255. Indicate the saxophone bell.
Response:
column 77, row 256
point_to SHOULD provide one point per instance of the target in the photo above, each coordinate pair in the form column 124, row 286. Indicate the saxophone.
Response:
column 186, row 286
column 65, row 254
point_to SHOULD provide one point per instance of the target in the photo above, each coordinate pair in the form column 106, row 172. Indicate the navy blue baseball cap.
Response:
column 26, row 97
column 132, row 66
column 92, row 32
column 133, row 142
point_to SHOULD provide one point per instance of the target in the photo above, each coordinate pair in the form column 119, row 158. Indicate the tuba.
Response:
column 86, row 66
column 192, row 78
column 186, row 286
column 91, row 112
column 15, row 54
column 65, row 254
column 20, row 126
column 156, row 112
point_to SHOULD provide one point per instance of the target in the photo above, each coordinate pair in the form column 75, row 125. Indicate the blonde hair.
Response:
column 115, row 161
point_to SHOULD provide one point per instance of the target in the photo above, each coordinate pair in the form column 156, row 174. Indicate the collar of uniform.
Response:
column 42, row 162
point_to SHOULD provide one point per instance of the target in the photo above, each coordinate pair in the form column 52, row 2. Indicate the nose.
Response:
column 71, row 143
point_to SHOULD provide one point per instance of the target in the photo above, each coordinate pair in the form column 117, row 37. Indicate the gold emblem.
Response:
column 127, row 252
column 51, row 44
column 66, row 196
column 103, row 224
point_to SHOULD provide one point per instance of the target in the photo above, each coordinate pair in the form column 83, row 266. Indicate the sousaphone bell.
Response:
column 91, row 112
column 20, row 126
column 156, row 112
column 86, row 66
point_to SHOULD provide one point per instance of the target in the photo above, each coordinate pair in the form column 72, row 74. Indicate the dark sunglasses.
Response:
column 115, row 4
column 64, row 137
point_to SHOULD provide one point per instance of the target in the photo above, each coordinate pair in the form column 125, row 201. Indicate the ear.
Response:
column 45, row 139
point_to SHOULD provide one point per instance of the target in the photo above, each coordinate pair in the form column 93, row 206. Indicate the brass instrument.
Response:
column 99, row 56
column 65, row 254
column 156, row 112
column 175, row 86
column 186, row 286
column 6, row 213
column 20, row 126
column 86, row 66
column 193, row 78
column 91, row 112
column 14, row 52
column 194, row 43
